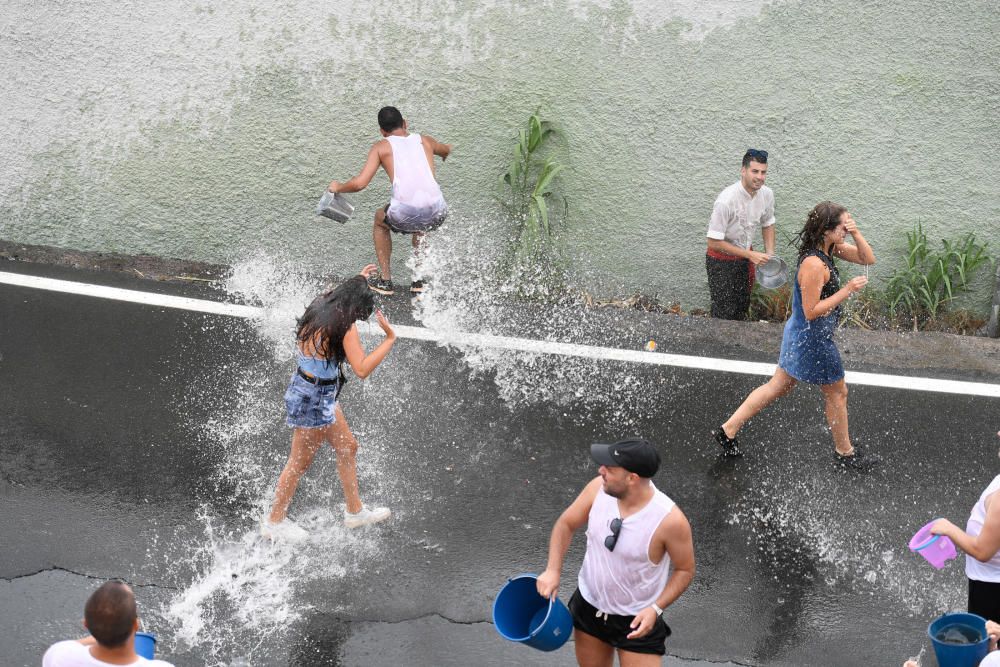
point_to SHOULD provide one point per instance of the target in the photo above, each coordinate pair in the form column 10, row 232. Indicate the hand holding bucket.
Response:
column 936, row 549
column 335, row 206
column 520, row 614
column 773, row 273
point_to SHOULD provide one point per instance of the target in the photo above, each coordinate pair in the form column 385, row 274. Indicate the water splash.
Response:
column 918, row 659
column 700, row 17
column 469, row 293
column 247, row 595
column 282, row 292
column 812, row 521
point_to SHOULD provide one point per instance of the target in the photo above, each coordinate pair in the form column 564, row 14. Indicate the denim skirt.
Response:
column 309, row 405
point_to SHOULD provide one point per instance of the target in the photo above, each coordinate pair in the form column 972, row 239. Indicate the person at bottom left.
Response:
column 111, row 616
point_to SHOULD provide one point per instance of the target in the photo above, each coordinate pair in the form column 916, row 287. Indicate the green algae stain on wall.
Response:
column 859, row 103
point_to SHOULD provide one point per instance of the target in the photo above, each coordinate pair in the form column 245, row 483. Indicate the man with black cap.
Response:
column 634, row 534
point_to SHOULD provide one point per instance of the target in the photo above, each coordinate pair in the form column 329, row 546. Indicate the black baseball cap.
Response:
column 635, row 455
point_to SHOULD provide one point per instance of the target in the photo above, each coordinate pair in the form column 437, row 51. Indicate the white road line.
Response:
column 464, row 339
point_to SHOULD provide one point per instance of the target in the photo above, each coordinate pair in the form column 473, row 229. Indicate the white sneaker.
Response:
column 366, row 516
column 286, row 531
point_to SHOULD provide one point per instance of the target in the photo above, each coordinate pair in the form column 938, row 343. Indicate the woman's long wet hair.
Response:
column 332, row 314
column 824, row 217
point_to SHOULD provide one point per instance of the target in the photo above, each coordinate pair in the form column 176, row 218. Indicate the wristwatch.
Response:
column 657, row 609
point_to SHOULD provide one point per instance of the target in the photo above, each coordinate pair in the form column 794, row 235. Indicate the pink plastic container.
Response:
column 936, row 549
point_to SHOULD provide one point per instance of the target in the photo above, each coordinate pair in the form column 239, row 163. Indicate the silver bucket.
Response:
column 335, row 206
column 773, row 273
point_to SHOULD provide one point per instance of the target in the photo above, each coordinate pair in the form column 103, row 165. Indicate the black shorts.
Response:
column 729, row 287
column 615, row 629
column 984, row 599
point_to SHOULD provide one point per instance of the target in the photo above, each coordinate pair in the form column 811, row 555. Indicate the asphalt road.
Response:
column 142, row 442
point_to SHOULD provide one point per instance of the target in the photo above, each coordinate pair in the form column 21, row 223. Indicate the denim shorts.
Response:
column 404, row 219
column 309, row 405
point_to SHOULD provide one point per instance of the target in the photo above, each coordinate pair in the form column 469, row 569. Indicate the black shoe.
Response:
column 730, row 446
column 418, row 286
column 859, row 460
column 382, row 286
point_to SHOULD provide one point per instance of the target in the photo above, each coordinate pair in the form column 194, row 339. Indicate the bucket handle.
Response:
column 547, row 614
column 921, row 547
column 926, row 544
column 544, row 620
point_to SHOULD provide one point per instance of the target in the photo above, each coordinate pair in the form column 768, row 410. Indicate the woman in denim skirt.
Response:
column 327, row 335
column 808, row 353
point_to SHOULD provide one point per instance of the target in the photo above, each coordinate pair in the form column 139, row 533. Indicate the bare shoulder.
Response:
column 675, row 520
column 812, row 261
column 674, row 528
column 590, row 491
column 576, row 514
column 813, row 265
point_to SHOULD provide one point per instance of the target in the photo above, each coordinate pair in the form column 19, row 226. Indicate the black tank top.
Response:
column 831, row 286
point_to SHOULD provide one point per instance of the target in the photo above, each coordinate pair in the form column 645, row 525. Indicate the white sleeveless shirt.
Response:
column 623, row 581
column 990, row 570
column 413, row 182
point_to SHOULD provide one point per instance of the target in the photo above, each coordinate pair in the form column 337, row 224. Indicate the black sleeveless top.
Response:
column 831, row 286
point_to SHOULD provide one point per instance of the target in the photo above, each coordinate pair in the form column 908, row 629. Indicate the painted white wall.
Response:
column 207, row 130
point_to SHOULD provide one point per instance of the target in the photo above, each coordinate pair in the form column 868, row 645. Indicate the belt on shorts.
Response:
column 725, row 256
column 320, row 382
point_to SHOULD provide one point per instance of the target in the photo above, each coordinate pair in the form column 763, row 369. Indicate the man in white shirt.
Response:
column 639, row 559
column 112, row 619
column 739, row 211
column 416, row 205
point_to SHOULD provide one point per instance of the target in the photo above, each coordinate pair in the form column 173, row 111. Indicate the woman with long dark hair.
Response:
column 326, row 337
column 808, row 353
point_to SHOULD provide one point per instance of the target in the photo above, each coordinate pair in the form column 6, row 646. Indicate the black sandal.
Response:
column 730, row 446
column 858, row 460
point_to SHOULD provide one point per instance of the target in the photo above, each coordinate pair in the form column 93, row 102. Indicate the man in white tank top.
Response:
column 635, row 533
column 416, row 205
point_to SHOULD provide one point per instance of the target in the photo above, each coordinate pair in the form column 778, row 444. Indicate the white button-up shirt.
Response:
column 736, row 215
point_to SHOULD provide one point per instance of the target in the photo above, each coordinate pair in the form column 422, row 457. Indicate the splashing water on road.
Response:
column 255, row 591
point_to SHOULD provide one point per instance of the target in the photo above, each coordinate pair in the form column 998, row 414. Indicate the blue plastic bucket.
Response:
column 520, row 614
column 145, row 644
column 964, row 654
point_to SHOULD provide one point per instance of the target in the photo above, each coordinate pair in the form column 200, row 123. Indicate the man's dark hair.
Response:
column 756, row 155
column 389, row 119
column 110, row 614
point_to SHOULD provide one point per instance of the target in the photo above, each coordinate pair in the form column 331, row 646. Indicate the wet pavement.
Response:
column 140, row 442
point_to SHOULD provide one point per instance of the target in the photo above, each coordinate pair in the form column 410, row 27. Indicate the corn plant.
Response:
column 771, row 305
column 930, row 279
column 528, row 186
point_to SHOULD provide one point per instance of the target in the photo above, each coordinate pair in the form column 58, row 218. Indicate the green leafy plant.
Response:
column 528, row 188
column 930, row 279
column 865, row 310
column 771, row 305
